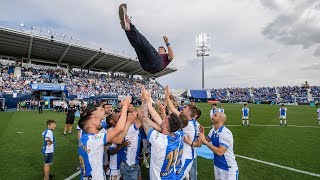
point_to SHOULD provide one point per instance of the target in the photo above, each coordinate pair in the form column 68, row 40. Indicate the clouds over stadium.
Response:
column 254, row 43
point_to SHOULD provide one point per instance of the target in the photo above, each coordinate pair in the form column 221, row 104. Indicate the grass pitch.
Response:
column 295, row 147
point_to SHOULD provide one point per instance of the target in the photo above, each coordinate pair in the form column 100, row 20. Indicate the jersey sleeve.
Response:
column 226, row 139
column 211, row 112
column 156, row 139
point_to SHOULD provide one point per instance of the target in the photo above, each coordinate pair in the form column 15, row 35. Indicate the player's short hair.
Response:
column 193, row 110
column 86, row 116
column 198, row 113
column 174, row 123
column 106, row 104
column 163, row 48
column 49, row 122
column 214, row 104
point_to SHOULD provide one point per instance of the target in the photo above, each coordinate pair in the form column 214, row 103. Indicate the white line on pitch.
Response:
column 73, row 175
column 280, row 166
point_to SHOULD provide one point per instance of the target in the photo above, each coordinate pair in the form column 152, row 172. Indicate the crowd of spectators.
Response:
column 264, row 94
column 288, row 93
column 82, row 84
column 239, row 94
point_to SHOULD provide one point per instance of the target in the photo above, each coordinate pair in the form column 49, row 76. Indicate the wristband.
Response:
column 167, row 44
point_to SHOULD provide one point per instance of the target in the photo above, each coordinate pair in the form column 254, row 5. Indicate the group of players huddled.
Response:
column 110, row 141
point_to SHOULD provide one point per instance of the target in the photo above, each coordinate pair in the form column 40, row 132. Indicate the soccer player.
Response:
column 220, row 141
column 150, row 59
column 115, row 160
column 245, row 114
column 164, row 144
column 213, row 110
column 283, row 115
column 71, row 111
column 190, row 140
column 91, row 144
column 129, row 167
column 221, row 109
column 48, row 148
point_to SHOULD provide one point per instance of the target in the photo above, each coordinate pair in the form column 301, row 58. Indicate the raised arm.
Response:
column 169, row 101
column 146, row 122
column 121, row 122
column 119, row 139
column 154, row 114
column 170, row 52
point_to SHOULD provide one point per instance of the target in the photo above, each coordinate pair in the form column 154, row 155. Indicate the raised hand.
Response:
column 165, row 39
column 166, row 91
column 161, row 107
column 203, row 138
column 126, row 101
column 145, row 94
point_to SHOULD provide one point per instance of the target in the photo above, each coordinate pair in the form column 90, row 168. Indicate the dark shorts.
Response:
column 69, row 120
column 48, row 158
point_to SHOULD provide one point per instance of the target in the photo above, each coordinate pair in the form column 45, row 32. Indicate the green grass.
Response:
column 295, row 147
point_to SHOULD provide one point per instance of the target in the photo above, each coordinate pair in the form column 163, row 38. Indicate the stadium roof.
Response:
column 20, row 44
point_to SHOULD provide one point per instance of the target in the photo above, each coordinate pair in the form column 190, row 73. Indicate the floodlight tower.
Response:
column 203, row 49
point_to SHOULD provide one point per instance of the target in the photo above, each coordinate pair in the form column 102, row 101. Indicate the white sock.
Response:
column 285, row 122
column 319, row 123
column 280, row 121
column 242, row 121
column 247, row 122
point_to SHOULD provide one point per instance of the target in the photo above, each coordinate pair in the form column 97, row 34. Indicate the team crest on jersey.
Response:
column 97, row 136
column 157, row 135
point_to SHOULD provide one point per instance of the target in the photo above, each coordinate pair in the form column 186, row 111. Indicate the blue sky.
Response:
column 253, row 42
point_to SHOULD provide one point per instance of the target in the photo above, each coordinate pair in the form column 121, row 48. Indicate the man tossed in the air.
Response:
column 150, row 59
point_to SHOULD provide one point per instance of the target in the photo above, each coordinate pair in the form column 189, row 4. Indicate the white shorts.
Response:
column 221, row 174
column 114, row 174
column 245, row 117
column 186, row 164
column 283, row 117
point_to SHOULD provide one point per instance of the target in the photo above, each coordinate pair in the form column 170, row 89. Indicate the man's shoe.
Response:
column 124, row 19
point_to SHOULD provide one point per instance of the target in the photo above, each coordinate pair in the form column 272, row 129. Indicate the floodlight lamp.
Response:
column 22, row 25
column 32, row 27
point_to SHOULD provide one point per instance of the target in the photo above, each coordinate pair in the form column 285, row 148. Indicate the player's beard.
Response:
column 99, row 127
